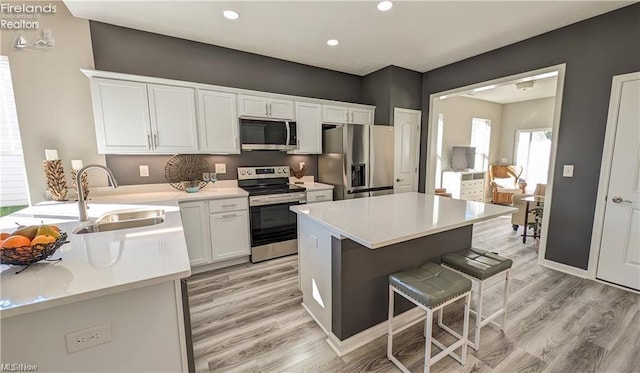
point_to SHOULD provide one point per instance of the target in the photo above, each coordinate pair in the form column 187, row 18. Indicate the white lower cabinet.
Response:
column 216, row 230
column 229, row 234
column 319, row 195
column 195, row 218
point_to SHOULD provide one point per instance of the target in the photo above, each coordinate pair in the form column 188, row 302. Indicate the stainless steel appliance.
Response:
column 344, row 162
column 357, row 160
column 273, row 226
column 382, row 159
column 257, row 134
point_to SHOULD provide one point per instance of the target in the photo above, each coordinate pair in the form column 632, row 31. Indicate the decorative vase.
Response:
column 56, row 182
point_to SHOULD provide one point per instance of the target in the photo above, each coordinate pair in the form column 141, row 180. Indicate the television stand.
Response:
column 465, row 184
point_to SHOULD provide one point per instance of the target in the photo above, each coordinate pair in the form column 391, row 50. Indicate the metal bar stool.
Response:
column 479, row 266
column 430, row 287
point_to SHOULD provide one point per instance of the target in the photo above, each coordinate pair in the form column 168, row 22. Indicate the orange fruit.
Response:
column 4, row 235
column 15, row 241
column 42, row 240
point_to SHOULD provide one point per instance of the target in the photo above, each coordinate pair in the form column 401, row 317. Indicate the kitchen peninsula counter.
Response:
column 348, row 248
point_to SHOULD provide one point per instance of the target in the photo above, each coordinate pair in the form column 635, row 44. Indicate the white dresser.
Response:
column 466, row 185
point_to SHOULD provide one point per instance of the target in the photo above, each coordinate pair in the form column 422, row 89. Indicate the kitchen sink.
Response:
column 123, row 220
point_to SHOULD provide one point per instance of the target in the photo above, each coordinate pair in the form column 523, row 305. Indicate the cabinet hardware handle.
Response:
column 155, row 139
column 149, row 140
column 229, row 205
column 620, row 200
column 320, row 196
column 352, row 117
column 229, row 216
column 266, row 108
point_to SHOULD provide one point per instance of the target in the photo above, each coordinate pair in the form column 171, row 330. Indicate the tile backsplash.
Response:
column 127, row 171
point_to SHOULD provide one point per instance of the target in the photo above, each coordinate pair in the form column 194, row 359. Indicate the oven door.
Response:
column 268, row 135
column 273, row 223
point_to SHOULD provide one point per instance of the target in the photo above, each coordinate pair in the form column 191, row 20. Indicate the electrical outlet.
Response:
column 504, row 160
column 567, row 170
column 301, row 165
column 144, row 170
column 221, row 168
column 87, row 338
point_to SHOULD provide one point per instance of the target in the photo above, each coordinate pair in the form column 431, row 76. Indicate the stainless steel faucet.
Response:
column 82, row 204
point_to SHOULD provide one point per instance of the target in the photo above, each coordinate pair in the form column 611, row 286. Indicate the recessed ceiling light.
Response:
column 230, row 14
column 383, row 6
column 333, row 42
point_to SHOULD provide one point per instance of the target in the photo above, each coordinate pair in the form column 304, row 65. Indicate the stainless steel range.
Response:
column 273, row 225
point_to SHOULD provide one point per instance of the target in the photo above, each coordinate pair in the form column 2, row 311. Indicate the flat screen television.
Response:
column 463, row 158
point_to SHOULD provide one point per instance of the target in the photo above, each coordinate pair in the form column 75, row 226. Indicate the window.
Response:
column 532, row 152
column 439, row 149
column 13, row 185
column 481, row 139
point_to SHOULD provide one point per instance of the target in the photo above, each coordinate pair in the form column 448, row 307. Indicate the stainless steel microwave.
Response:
column 261, row 134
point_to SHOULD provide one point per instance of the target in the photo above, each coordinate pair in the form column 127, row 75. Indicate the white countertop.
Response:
column 93, row 264
column 102, row 263
column 384, row 220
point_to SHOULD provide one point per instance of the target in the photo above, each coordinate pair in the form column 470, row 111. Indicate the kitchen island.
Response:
column 348, row 248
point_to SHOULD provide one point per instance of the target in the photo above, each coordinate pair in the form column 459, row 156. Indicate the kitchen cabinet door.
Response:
column 230, row 235
column 218, row 122
column 253, row 106
column 308, row 128
column 360, row 116
column 335, row 114
column 319, row 195
column 281, row 109
column 195, row 219
column 173, row 119
column 121, row 114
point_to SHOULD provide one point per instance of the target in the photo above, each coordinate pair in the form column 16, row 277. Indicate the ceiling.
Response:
column 508, row 93
column 418, row 35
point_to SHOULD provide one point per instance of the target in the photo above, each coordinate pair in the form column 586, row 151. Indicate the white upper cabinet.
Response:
column 139, row 118
column 173, row 119
column 346, row 115
column 121, row 113
column 361, row 116
column 335, row 114
column 263, row 107
column 308, row 128
column 218, row 122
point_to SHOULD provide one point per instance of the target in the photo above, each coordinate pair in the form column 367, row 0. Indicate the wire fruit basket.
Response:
column 27, row 255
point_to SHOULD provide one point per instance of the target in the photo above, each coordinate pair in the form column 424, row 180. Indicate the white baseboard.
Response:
column 354, row 342
column 218, row 265
column 563, row 268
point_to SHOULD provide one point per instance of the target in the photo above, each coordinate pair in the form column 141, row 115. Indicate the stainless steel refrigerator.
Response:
column 381, row 160
column 357, row 160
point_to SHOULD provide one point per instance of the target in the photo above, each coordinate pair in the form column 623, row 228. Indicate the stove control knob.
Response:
column 249, row 172
column 279, row 170
column 242, row 172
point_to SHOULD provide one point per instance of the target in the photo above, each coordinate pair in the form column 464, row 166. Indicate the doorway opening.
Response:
column 518, row 116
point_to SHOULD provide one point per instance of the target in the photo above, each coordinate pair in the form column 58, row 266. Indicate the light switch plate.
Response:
column 301, row 165
column 144, row 170
column 221, row 168
column 567, row 170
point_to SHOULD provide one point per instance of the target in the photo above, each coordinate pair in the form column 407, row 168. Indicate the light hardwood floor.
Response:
column 249, row 318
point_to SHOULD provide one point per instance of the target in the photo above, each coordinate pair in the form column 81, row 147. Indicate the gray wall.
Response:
column 392, row 87
column 131, row 51
column 126, row 167
column 594, row 50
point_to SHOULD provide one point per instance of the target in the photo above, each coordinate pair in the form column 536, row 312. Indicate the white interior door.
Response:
column 619, row 260
column 406, row 147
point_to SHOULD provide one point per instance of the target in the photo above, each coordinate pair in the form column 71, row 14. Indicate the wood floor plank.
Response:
column 249, row 318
